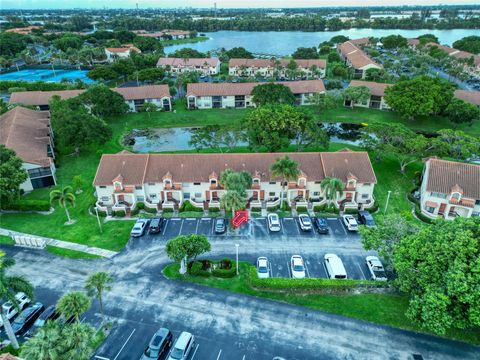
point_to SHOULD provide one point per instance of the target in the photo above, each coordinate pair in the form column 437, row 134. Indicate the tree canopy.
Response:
column 394, row 42
column 305, row 53
column 439, row 268
column 12, row 175
column 102, row 101
column 357, row 94
column 459, row 111
column 239, row 53
column 272, row 93
column 189, row 246
column 469, row 44
column 187, row 53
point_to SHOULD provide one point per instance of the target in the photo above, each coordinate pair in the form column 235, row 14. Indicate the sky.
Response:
column 69, row 4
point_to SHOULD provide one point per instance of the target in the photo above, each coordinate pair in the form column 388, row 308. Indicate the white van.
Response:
column 183, row 347
column 335, row 268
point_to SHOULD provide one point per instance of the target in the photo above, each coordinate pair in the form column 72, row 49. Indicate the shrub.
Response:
column 150, row 210
column 374, row 208
column 134, row 211
column 140, row 206
column 285, row 206
column 272, row 208
column 16, row 89
column 213, row 210
column 255, row 209
column 331, row 209
column 302, row 209
column 421, row 216
column 188, row 206
column 351, row 211
column 120, row 213
column 168, row 210
column 102, row 213
column 319, row 208
column 226, row 269
column 28, row 205
column 196, row 267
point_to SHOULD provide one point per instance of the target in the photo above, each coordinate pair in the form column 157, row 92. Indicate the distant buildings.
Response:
column 204, row 66
column 165, row 34
column 23, row 30
column 239, row 95
column 123, row 52
column 314, row 68
column 355, row 57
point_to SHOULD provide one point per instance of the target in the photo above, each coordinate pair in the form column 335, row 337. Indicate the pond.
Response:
column 282, row 43
column 176, row 139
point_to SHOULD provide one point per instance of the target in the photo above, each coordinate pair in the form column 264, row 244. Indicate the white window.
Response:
column 138, row 187
column 430, row 209
column 186, row 195
column 365, row 196
column 272, row 193
column 198, row 195
column 153, row 196
column 196, row 183
column 105, row 198
column 316, row 193
column 103, row 187
column 140, row 198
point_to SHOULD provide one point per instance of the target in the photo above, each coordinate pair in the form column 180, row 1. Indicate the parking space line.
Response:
column 361, row 272
column 196, row 228
column 181, row 226
column 306, row 268
column 165, row 227
column 243, row 358
column 101, row 357
column 124, row 344
column 193, row 352
column 219, row 354
column 289, row 272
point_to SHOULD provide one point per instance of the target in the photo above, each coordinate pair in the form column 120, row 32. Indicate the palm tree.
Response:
column 74, row 303
column 232, row 200
column 78, row 340
column 64, row 197
column 46, row 344
column 97, row 284
column 332, row 187
column 287, row 169
column 9, row 286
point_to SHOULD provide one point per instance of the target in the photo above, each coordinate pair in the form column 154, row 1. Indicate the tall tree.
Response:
column 333, row 188
column 9, row 286
column 455, row 144
column 239, row 53
column 233, row 200
column 238, row 181
column 438, row 267
column 469, row 44
column 272, row 94
column 394, row 42
column 78, row 340
column 187, row 247
column 459, row 111
column 357, row 94
column 45, row 345
column 305, row 53
column 97, row 284
column 73, row 303
column 102, row 101
column 286, row 169
column 12, row 175
column 64, row 198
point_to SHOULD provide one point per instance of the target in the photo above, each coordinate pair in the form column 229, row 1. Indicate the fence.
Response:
column 29, row 241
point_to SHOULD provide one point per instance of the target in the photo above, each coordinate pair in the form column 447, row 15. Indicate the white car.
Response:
column 376, row 268
column 263, row 268
column 10, row 310
column 139, row 228
column 334, row 266
column 305, row 222
column 298, row 267
column 273, row 222
column 350, row 222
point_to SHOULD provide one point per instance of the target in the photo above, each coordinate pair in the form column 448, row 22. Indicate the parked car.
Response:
column 220, row 225
column 263, row 268
column 298, row 267
column 365, row 218
column 62, row 320
column 49, row 314
column 156, row 225
column 350, row 222
column 305, row 222
column 376, row 268
column 183, row 347
column 334, row 266
column 26, row 319
column 139, row 228
column 159, row 345
column 273, row 222
column 321, row 225
column 10, row 310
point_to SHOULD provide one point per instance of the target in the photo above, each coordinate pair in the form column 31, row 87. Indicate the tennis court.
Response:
column 48, row 75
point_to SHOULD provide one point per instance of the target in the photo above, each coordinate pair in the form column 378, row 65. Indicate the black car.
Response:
column 159, row 345
column 321, row 225
column 156, row 225
column 365, row 218
column 220, row 225
column 26, row 319
column 48, row 314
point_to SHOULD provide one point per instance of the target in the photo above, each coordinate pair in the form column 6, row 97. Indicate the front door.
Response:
column 442, row 209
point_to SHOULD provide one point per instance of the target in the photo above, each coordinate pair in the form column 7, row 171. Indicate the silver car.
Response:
column 273, row 221
column 263, row 268
column 139, row 228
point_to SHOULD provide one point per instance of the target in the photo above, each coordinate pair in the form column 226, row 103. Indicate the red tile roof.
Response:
column 123, row 49
column 26, row 132
column 377, row 89
column 413, row 42
column 138, row 169
column 443, row 176
column 264, row 63
column 164, row 61
column 355, row 55
column 472, row 97
column 144, row 92
column 231, row 89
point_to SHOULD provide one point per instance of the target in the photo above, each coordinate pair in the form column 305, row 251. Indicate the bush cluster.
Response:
column 28, row 205
column 118, row 213
column 168, row 210
column 421, row 216
column 150, row 210
column 302, row 209
column 13, row 85
column 188, row 206
column 255, row 209
column 351, row 211
column 271, row 208
column 224, row 268
column 213, row 210
column 330, row 208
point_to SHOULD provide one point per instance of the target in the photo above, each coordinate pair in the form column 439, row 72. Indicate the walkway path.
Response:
column 64, row 244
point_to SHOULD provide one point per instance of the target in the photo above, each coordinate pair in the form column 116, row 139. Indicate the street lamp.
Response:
column 386, row 203
column 236, row 248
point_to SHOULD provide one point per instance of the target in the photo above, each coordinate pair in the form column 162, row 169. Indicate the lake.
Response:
column 282, row 43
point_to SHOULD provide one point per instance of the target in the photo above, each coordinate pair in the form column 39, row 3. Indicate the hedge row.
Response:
column 8, row 85
column 213, row 210
column 422, row 216
column 330, row 208
column 28, row 205
column 302, row 209
column 188, row 206
column 203, row 268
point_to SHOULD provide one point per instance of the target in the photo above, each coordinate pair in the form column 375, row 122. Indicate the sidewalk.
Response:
column 65, row 244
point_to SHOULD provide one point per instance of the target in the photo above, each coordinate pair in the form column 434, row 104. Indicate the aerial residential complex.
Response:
column 377, row 91
column 450, row 189
column 355, row 57
column 134, row 97
column 28, row 133
column 206, row 66
column 166, row 180
column 239, row 95
column 123, row 52
column 314, row 68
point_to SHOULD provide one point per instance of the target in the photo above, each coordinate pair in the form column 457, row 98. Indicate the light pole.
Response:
column 386, row 203
column 236, row 248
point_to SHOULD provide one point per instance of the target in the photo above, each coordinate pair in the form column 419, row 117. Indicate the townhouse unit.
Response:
column 472, row 97
column 239, row 95
column 123, row 52
column 355, row 57
column 28, row 133
column 135, row 97
column 450, row 189
column 204, row 66
column 167, row 180
column 314, row 68
column 377, row 95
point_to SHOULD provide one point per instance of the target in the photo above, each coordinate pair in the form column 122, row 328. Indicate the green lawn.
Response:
column 377, row 308
column 184, row 41
column 73, row 254
column 6, row 240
